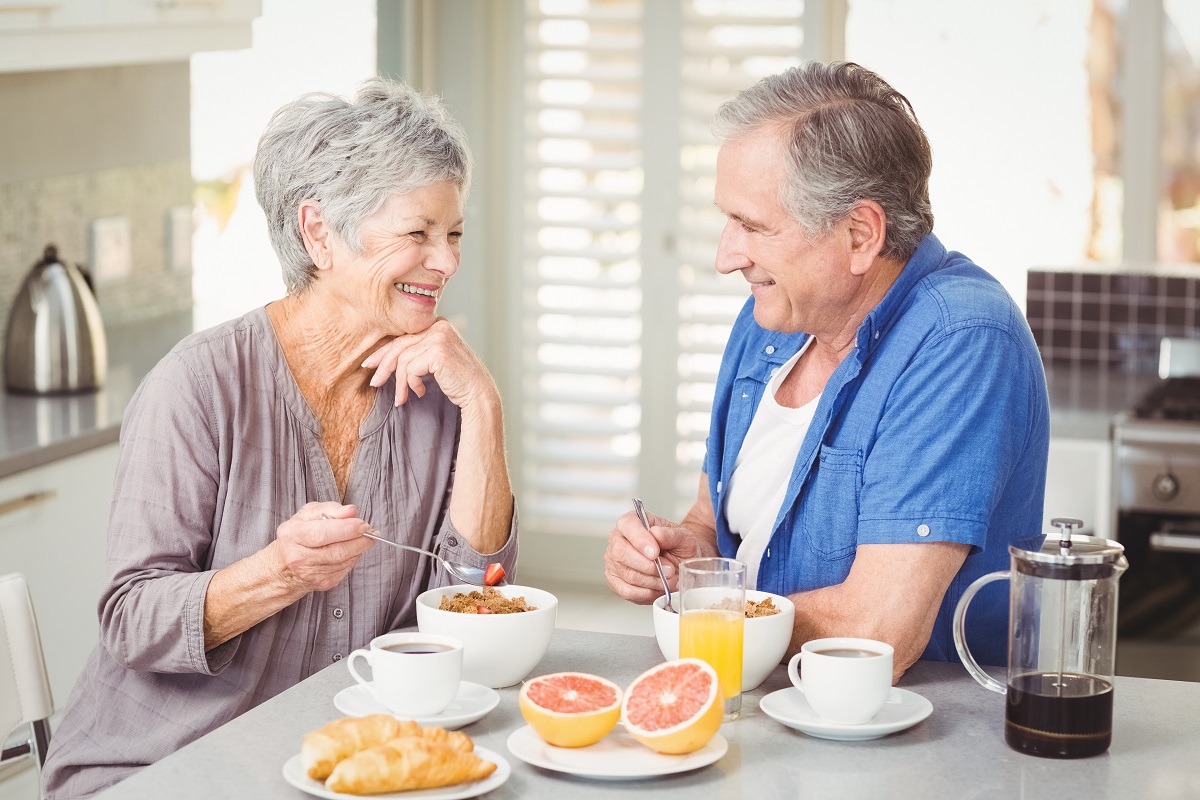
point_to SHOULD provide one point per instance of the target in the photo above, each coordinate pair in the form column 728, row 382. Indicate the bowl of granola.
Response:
column 768, row 630
column 505, row 630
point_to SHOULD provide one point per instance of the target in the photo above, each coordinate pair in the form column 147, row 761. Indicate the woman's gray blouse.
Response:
column 218, row 447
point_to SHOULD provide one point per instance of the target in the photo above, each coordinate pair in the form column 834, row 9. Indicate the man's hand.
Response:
column 629, row 559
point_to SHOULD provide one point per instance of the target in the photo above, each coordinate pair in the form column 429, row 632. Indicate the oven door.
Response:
column 1160, row 594
column 1156, row 488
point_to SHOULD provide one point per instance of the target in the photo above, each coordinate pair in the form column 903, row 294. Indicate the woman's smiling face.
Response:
column 410, row 249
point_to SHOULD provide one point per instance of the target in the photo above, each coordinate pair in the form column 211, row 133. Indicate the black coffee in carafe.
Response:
column 1058, row 717
column 1062, row 633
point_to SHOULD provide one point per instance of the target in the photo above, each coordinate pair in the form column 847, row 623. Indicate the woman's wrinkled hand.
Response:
column 437, row 351
column 315, row 549
column 629, row 558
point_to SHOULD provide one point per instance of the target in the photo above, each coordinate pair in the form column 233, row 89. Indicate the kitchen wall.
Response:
column 86, row 144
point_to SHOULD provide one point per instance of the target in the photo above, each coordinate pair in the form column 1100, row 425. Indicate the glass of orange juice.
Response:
column 712, row 605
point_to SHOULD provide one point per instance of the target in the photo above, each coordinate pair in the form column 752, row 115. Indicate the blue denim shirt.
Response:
column 935, row 428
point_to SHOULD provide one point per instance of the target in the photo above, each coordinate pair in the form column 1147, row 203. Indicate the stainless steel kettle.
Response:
column 55, row 340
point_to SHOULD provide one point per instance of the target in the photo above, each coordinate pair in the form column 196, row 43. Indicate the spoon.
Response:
column 641, row 512
column 471, row 575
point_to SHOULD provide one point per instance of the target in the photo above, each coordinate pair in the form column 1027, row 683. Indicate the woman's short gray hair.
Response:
column 852, row 138
column 351, row 156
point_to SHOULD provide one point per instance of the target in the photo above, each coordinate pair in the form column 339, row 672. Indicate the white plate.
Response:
column 471, row 703
column 293, row 773
column 903, row 709
column 617, row 756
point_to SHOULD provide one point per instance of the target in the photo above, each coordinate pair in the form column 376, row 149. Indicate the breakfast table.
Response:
column 957, row 751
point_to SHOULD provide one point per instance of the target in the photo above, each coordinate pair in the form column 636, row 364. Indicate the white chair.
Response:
column 25, row 697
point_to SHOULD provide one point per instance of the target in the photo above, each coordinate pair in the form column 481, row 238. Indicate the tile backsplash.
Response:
column 93, row 144
column 1111, row 319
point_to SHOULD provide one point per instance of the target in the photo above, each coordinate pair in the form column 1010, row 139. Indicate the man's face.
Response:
column 799, row 284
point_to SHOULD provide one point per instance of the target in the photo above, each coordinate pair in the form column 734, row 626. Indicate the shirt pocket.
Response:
column 830, row 505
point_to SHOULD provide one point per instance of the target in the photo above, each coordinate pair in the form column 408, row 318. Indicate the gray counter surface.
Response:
column 41, row 429
column 959, row 751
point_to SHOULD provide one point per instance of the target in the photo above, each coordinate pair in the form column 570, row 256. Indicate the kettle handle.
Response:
column 960, row 633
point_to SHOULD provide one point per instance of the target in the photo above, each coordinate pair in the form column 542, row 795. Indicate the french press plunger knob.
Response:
column 1065, row 525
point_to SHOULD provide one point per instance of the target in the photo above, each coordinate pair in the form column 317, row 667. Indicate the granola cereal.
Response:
column 489, row 601
column 762, row 608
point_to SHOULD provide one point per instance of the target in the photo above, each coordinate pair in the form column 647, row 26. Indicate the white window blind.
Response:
column 623, row 316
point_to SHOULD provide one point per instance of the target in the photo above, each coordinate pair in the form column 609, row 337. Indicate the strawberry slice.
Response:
column 493, row 574
column 483, row 610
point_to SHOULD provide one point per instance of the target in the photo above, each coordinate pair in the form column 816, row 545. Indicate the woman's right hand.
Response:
column 315, row 549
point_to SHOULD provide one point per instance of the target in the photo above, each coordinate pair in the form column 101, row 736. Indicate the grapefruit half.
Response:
column 571, row 709
column 674, row 708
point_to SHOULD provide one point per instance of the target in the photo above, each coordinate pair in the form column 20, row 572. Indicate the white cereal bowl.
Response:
column 498, row 649
column 765, row 639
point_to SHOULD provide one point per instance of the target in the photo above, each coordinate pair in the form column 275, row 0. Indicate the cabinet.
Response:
column 1079, row 484
column 55, row 532
column 66, row 34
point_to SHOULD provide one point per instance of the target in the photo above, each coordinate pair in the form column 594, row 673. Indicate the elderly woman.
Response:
column 257, row 453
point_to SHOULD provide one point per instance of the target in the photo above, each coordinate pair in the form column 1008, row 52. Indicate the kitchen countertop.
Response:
column 41, row 429
column 959, row 751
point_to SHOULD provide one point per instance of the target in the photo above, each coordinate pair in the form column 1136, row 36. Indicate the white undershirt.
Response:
column 763, row 468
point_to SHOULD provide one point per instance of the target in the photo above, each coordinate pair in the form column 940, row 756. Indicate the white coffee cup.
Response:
column 846, row 681
column 415, row 674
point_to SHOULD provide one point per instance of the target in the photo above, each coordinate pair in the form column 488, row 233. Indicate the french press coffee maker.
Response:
column 1062, row 634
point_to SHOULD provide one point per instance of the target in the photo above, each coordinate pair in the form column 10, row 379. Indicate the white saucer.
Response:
column 790, row 707
column 616, row 757
column 293, row 773
column 470, row 704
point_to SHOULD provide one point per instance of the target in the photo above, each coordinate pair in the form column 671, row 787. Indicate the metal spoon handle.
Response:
column 404, row 546
column 641, row 512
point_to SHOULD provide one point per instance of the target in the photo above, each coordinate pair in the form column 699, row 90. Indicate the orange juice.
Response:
column 715, row 636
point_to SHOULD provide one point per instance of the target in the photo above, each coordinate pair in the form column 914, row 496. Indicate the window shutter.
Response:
column 623, row 317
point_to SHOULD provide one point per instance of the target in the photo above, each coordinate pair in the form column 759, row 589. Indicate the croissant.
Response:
column 322, row 749
column 404, row 764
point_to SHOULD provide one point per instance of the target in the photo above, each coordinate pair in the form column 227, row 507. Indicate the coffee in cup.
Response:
column 415, row 674
column 846, row 681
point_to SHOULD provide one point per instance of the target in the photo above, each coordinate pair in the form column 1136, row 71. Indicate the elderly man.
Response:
column 880, row 427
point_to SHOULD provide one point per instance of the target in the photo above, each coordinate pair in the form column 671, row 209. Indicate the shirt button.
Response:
column 923, row 530
column 718, row 486
column 876, row 334
column 451, row 541
column 770, row 349
column 337, row 613
column 337, row 657
column 774, row 372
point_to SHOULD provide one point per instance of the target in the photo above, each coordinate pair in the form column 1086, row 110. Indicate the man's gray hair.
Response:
column 350, row 157
column 852, row 137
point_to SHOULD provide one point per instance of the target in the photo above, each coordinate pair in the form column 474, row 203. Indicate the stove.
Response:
column 1173, row 399
column 1156, row 511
